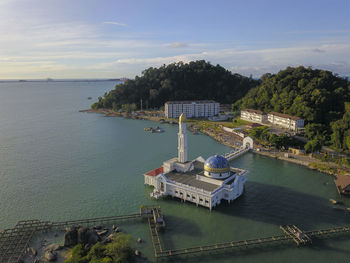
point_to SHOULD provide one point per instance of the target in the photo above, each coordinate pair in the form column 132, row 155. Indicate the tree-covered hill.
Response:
column 318, row 96
column 197, row 80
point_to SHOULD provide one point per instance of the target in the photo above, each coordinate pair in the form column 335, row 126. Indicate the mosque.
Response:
column 203, row 182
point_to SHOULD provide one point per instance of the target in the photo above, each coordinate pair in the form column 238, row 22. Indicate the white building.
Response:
column 204, row 183
column 253, row 116
column 196, row 109
column 292, row 123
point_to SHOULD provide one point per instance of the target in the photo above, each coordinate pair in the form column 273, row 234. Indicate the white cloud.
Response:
column 251, row 61
column 177, row 45
column 114, row 23
column 33, row 48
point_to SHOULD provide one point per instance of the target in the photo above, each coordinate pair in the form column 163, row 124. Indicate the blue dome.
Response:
column 217, row 164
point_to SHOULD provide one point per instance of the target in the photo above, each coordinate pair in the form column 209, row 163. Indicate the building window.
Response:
column 200, row 199
column 188, row 196
column 176, row 192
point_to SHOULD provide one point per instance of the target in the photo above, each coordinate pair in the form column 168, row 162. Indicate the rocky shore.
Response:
column 42, row 251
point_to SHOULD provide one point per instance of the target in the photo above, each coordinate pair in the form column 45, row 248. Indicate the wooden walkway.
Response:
column 13, row 242
column 292, row 233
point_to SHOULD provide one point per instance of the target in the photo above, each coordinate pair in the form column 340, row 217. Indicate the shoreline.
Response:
column 309, row 162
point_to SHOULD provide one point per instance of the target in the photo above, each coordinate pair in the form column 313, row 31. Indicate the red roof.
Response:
column 155, row 172
column 342, row 181
column 252, row 125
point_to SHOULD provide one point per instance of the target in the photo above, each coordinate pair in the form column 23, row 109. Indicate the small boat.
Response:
column 334, row 202
column 89, row 98
column 158, row 129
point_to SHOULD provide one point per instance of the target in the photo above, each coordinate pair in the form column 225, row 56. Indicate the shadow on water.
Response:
column 321, row 245
column 280, row 205
column 240, row 253
column 217, row 256
column 177, row 224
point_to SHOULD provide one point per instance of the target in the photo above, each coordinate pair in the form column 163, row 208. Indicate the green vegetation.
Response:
column 197, row 80
column 341, row 130
column 282, row 141
column 117, row 251
column 237, row 122
column 327, row 168
column 318, row 96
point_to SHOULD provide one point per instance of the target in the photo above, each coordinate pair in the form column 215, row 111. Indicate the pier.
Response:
column 15, row 241
column 234, row 154
column 294, row 234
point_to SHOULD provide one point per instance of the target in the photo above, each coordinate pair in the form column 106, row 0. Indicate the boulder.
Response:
column 31, row 252
column 93, row 237
column 53, row 247
column 51, row 255
column 83, row 235
column 117, row 230
column 108, row 239
column 139, row 240
column 102, row 232
column 137, row 253
column 87, row 236
column 71, row 237
column 114, row 227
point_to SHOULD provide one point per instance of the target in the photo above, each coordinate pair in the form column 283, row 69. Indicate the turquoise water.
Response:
column 57, row 164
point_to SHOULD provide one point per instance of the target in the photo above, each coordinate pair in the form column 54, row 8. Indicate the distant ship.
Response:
column 49, row 80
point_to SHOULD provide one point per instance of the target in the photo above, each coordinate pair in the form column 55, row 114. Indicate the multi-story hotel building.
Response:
column 292, row 123
column 253, row 116
column 191, row 109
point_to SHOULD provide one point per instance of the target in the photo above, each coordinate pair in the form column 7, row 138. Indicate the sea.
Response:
column 57, row 163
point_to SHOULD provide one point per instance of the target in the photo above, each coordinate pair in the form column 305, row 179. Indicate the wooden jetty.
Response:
column 299, row 237
column 13, row 242
column 292, row 233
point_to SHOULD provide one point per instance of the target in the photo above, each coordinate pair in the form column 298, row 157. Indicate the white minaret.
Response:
column 182, row 141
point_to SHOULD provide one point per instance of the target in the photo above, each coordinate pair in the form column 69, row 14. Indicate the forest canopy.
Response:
column 196, row 80
column 318, row 96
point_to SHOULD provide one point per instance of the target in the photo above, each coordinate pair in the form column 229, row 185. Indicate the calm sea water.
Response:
column 57, row 164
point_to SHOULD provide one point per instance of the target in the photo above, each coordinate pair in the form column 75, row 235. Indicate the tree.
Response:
column 340, row 130
column 117, row 251
column 318, row 96
column 129, row 107
column 313, row 145
column 197, row 80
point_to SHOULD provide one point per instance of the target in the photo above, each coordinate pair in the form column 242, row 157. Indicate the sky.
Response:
column 112, row 38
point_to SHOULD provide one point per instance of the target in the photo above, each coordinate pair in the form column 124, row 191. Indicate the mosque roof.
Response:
column 217, row 164
column 189, row 178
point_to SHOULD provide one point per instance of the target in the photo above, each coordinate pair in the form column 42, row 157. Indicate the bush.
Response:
column 118, row 251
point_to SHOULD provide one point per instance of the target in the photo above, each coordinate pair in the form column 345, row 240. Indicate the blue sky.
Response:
column 111, row 38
